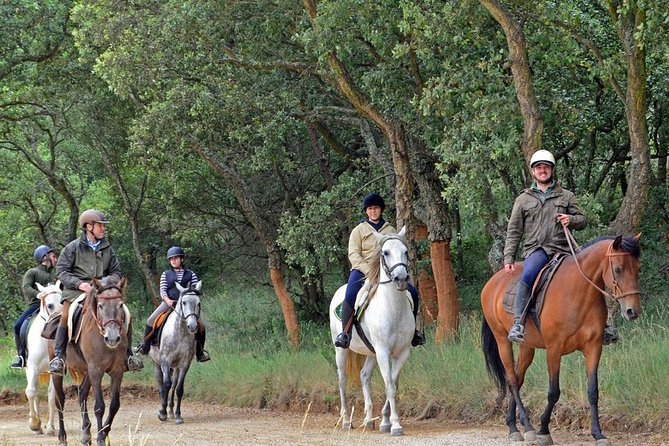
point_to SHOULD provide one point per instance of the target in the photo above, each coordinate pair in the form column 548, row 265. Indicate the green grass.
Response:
column 253, row 365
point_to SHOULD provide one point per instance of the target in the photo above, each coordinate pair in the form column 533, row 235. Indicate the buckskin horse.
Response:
column 573, row 318
column 388, row 325
column 100, row 349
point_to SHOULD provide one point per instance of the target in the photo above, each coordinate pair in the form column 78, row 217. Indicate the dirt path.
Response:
column 206, row 425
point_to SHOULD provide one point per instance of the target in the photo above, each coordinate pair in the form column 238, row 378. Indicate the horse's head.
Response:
column 105, row 302
column 50, row 298
column 622, row 274
column 188, row 305
column 394, row 255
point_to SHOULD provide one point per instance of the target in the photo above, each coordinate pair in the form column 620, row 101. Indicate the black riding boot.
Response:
column 200, row 337
column 343, row 339
column 144, row 345
column 418, row 336
column 20, row 359
column 517, row 332
column 57, row 365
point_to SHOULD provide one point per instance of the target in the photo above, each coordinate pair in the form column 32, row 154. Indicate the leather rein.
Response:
column 102, row 326
column 617, row 293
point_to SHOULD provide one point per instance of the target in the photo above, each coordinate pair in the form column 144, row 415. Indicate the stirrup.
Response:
column 142, row 348
column 203, row 356
column 517, row 333
column 134, row 364
column 343, row 340
column 57, row 366
column 18, row 362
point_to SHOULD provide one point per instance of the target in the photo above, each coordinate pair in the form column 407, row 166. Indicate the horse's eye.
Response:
column 618, row 270
column 385, row 253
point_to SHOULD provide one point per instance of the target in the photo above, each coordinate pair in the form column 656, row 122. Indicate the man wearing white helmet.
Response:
column 539, row 214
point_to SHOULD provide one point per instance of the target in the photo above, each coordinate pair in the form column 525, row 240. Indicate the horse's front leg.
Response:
column 34, row 420
column 96, row 381
column 180, row 393
column 593, row 354
column 84, row 389
column 553, row 357
column 341, row 358
column 390, row 413
column 365, row 380
column 165, row 383
column 50, row 430
column 114, row 405
column 60, row 405
column 175, row 379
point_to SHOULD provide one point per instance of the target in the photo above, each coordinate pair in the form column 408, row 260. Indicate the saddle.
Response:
column 539, row 288
column 158, row 325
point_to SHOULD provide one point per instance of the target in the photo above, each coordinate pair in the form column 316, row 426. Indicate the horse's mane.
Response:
column 629, row 244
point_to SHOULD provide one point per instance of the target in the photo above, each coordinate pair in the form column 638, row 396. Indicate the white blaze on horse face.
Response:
column 110, row 313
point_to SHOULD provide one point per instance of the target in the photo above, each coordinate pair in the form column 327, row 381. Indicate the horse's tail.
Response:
column 493, row 362
column 354, row 363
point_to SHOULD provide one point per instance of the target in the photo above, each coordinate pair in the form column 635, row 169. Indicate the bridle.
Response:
column 42, row 305
column 617, row 293
column 181, row 305
column 388, row 270
column 103, row 325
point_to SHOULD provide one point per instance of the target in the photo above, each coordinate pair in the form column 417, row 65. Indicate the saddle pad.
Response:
column 539, row 288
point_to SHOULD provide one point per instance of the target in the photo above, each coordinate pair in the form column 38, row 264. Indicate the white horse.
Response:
column 38, row 357
column 172, row 358
column 388, row 323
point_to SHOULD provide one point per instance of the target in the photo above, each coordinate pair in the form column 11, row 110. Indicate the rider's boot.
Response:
column 144, row 345
column 517, row 332
column 418, row 336
column 132, row 362
column 343, row 339
column 200, row 353
column 19, row 360
column 57, row 364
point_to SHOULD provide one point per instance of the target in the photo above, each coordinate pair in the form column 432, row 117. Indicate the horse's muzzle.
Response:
column 630, row 314
column 401, row 283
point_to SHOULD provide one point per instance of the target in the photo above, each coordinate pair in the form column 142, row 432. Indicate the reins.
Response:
column 101, row 327
column 609, row 254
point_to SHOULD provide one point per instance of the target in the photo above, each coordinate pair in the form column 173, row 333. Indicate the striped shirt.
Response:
column 180, row 274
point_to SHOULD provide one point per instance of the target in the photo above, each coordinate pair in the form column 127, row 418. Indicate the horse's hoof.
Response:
column 35, row 425
column 370, row 425
column 179, row 420
column 38, row 431
column 603, row 442
column 85, row 440
column 346, row 425
column 530, row 436
column 50, row 431
column 162, row 416
column 397, row 432
column 545, row 440
column 385, row 428
column 516, row 436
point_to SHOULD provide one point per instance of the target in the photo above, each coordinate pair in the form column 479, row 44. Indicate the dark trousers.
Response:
column 32, row 309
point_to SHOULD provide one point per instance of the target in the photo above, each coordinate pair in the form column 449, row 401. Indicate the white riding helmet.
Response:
column 542, row 156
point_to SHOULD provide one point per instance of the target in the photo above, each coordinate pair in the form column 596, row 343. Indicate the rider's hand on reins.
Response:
column 563, row 219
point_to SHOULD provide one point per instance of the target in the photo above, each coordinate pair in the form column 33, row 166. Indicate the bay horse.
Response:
column 100, row 349
column 388, row 325
column 573, row 318
column 173, row 357
column 37, row 363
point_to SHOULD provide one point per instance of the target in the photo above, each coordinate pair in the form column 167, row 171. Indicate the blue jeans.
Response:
column 357, row 279
column 32, row 309
column 532, row 266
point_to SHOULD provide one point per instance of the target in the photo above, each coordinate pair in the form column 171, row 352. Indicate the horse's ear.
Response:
column 40, row 287
column 637, row 237
column 617, row 242
column 96, row 283
column 198, row 285
column 403, row 231
column 122, row 284
column 179, row 287
column 59, row 285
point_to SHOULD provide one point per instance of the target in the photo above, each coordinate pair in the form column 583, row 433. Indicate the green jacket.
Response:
column 533, row 220
column 39, row 274
column 79, row 263
column 362, row 245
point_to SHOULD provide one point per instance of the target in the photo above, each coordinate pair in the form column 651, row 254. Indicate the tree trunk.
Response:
column 533, row 124
column 426, row 285
column 259, row 224
column 447, row 291
column 634, row 203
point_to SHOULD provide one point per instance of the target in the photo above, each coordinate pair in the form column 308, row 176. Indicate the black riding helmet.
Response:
column 373, row 200
column 175, row 251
